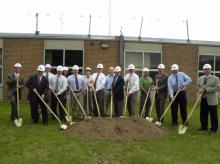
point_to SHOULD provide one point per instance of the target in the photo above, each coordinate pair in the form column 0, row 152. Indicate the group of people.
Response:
column 94, row 92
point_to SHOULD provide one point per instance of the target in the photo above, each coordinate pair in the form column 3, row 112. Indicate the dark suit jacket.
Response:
column 42, row 88
column 118, row 89
column 12, row 82
column 162, row 85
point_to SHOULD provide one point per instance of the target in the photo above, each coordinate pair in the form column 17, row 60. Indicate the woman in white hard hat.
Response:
column 40, row 83
column 178, row 81
column 88, row 104
column 132, row 86
column 12, row 80
column 209, row 85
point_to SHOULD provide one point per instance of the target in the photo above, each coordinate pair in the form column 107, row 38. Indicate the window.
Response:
column 62, row 57
column 1, row 69
column 213, row 60
column 143, row 59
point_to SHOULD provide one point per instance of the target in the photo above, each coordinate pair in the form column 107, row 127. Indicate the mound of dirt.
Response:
column 115, row 129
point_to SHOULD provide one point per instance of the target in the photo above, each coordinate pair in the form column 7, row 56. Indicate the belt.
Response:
column 77, row 91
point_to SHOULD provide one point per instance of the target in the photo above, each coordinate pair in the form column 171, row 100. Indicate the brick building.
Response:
column 31, row 50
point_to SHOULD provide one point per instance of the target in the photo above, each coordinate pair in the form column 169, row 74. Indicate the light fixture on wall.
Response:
column 104, row 44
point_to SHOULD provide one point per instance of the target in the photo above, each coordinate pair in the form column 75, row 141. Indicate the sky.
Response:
column 161, row 18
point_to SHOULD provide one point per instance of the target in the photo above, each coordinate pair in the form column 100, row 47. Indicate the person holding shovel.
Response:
column 99, row 85
column 59, row 86
column 177, row 83
column 40, row 83
column 77, row 84
column 118, row 92
column 15, row 80
column 146, row 83
column 132, row 86
column 209, row 85
column 88, row 104
column 108, row 87
column 161, row 91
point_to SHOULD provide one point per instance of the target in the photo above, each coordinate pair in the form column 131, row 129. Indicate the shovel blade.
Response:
column 158, row 123
column 68, row 119
column 182, row 129
column 63, row 127
column 150, row 119
column 18, row 122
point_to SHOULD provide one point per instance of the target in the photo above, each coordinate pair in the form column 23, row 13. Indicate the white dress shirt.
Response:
column 100, row 84
column 133, row 85
column 50, row 77
column 62, row 83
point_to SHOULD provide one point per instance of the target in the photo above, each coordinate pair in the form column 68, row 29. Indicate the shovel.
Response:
column 126, row 100
column 96, row 102
column 159, row 123
column 86, row 117
column 143, row 109
column 182, row 127
column 111, row 105
column 67, row 117
column 19, row 121
column 62, row 126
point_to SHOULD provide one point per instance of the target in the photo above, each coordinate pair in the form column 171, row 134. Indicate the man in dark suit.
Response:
column 118, row 92
column 161, row 91
column 15, row 80
column 40, row 83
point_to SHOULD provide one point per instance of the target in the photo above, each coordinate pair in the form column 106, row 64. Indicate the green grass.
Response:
column 39, row 144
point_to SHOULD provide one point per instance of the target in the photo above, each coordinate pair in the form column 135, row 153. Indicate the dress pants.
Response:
column 205, row 109
column 131, row 104
column 182, row 101
column 54, row 103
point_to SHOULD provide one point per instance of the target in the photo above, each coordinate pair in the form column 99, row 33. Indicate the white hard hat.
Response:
column 41, row 68
column 47, row 66
column 65, row 68
column 117, row 69
column 161, row 66
column 174, row 67
column 131, row 66
column 17, row 65
column 145, row 70
column 60, row 68
column 100, row 66
column 88, row 69
column 207, row 66
column 75, row 67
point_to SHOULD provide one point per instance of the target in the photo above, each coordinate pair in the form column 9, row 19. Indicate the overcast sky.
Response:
column 162, row 18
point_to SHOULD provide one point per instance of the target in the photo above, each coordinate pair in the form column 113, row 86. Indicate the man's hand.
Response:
column 34, row 90
column 42, row 96
column 183, row 88
column 203, row 89
column 128, row 93
column 172, row 99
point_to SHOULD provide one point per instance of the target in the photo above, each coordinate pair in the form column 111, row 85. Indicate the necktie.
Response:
column 114, row 81
column 205, row 80
column 176, row 83
column 39, row 78
column 96, row 79
column 57, row 84
column 77, row 82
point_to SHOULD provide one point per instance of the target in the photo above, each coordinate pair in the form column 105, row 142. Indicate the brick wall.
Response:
column 186, row 56
column 95, row 54
column 28, row 52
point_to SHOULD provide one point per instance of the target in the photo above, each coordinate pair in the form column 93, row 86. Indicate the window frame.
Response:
column 64, row 56
column 208, row 54
column 143, row 52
